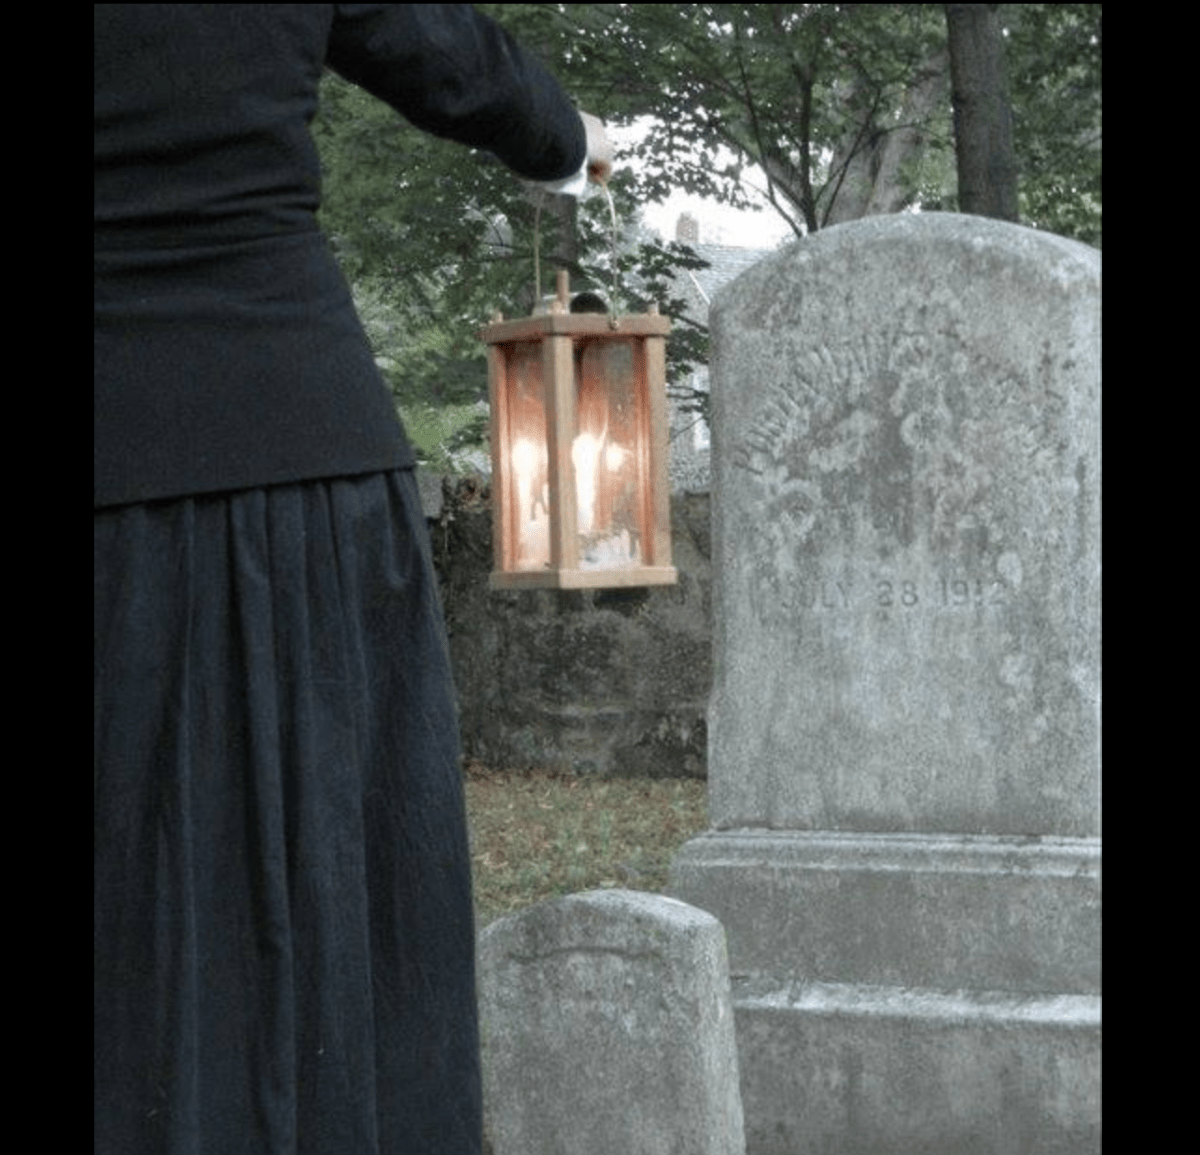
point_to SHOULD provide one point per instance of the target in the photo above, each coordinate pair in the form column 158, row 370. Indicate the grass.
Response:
column 536, row 835
column 431, row 429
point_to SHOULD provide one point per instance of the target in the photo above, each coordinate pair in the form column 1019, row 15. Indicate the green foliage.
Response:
column 434, row 237
column 844, row 106
column 397, row 220
column 796, row 89
column 1055, row 77
column 810, row 92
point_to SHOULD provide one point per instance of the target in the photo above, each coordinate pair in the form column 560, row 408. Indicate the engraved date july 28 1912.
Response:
column 944, row 593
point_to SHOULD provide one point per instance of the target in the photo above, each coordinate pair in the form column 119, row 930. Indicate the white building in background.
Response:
column 688, row 464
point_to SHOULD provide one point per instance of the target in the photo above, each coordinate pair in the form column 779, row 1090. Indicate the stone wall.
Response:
column 591, row 681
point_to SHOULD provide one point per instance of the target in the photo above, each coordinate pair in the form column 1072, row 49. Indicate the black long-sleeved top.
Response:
column 227, row 351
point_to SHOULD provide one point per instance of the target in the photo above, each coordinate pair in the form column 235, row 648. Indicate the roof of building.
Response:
column 725, row 262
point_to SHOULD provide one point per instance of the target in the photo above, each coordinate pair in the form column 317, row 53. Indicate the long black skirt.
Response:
column 284, row 944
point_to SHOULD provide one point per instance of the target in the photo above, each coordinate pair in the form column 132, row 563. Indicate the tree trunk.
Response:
column 987, row 167
column 867, row 173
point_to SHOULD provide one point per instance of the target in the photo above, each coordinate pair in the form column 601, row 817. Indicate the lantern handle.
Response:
column 537, row 264
column 562, row 284
column 613, row 319
column 612, row 295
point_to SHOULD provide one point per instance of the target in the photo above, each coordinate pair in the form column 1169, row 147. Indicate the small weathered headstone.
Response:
column 607, row 1027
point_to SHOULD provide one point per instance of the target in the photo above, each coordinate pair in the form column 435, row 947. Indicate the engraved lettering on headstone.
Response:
column 879, row 443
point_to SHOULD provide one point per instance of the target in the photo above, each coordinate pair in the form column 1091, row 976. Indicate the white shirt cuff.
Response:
column 572, row 186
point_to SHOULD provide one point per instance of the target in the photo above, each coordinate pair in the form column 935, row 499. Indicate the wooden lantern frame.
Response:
column 551, row 345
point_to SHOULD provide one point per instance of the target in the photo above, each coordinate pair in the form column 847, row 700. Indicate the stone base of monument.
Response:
column 900, row 993
column 891, row 1071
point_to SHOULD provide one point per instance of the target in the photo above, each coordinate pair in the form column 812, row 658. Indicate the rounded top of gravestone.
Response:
column 596, row 916
column 874, row 237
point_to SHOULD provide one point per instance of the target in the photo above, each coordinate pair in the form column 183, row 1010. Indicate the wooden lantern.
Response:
column 579, row 444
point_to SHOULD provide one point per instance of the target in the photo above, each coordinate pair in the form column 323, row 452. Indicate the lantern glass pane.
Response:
column 607, row 455
column 529, row 487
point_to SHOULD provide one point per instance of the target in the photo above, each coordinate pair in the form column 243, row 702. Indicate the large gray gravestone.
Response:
column 904, row 728
column 607, row 1027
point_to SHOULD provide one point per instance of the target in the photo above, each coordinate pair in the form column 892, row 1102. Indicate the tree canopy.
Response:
column 846, row 108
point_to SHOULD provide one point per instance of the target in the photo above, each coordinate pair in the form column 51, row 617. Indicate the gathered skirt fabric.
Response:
column 284, row 942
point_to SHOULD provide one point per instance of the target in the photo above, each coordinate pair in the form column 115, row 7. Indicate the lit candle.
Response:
column 533, row 525
column 585, row 454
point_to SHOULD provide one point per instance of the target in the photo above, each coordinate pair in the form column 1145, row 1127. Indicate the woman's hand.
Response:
column 600, row 151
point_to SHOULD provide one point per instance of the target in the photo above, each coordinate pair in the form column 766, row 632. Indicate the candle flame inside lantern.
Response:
column 524, row 462
column 585, row 454
column 533, row 509
column 607, row 536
